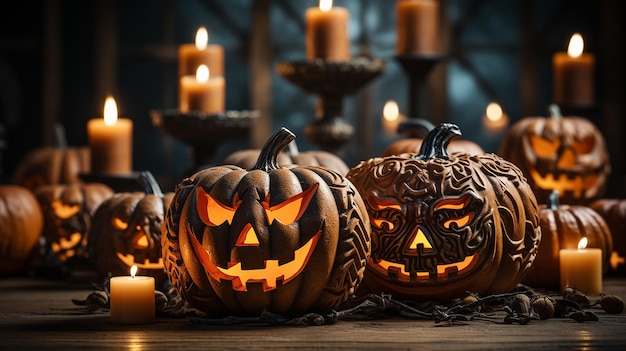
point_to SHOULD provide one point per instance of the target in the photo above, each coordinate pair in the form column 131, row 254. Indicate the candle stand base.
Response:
column 331, row 81
column 417, row 69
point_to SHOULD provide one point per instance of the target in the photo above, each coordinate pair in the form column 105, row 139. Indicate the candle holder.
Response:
column 204, row 133
column 330, row 81
column 417, row 69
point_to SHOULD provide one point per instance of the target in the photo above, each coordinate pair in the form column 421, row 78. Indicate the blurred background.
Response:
column 59, row 59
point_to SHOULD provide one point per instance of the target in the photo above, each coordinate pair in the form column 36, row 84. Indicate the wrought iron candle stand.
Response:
column 331, row 81
column 417, row 69
column 204, row 133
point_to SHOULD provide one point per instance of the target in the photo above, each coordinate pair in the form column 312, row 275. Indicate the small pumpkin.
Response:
column 21, row 223
column 287, row 240
column 247, row 158
column 562, row 227
column 126, row 231
column 444, row 224
column 52, row 165
column 567, row 154
column 68, row 210
column 416, row 129
column 614, row 213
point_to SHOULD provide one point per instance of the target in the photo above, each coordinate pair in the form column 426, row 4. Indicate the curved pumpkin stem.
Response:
column 150, row 185
column 435, row 144
column 293, row 148
column 553, row 201
column 415, row 127
column 555, row 111
column 267, row 158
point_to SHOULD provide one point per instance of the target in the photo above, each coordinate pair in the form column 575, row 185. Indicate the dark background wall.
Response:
column 60, row 58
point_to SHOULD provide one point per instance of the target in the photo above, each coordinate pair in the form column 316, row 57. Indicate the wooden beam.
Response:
column 105, row 50
column 529, row 56
column 51, row 72
column 260, row 60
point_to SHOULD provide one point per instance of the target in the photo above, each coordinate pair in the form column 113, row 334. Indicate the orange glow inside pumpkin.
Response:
column 64, row 211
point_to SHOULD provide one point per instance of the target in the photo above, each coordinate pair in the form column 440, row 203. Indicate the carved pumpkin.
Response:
column 126, row 231
column 247, row 159
column 21, row 223
column 567, row 154
column 614, row 213
column 416, row 129
column 562, row 227
column 51, row 165
column 444, row 224
column 67, row 211
column 287, row 240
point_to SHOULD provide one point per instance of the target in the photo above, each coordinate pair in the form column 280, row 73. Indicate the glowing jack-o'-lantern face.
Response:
column 443, row 225
column 566, row 154
column 287, row 240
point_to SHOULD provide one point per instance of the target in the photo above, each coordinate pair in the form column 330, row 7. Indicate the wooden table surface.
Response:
column 38, row 314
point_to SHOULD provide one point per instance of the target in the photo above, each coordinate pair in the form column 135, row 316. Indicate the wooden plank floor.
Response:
column 39, row 315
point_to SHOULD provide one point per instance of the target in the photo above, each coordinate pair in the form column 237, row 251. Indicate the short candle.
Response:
column 190, row 56
column 202, row 92
column 327, row 32
column 132, row 299
column 573, row 74
column 581, row 268
column 110, row 141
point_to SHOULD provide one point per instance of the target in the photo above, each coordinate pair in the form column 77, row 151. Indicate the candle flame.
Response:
column 326, row 5
column 582, row 244
column 494, row 112
column 391, row 112
column 110, row 111
column 133, row 271
column 576, row 45
column 202, row 74
column 202, row 38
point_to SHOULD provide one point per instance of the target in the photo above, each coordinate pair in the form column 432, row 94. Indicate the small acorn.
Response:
column 544, row 307
column 97, row 300
column 612, row 304
column 471, row 298
column 521, row 304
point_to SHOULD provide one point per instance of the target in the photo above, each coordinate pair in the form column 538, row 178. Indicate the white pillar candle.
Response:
column 132, row 299
column 581, row 268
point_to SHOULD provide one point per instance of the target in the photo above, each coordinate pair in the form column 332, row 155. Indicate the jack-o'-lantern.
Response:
column 286, row 240
column 562, row 227
column 614, row 213
column 51, row 165
column 416, row 129
column 247, row 159
column 126, row 231
column 445, row 224
column 567, row 154
column 68, row 210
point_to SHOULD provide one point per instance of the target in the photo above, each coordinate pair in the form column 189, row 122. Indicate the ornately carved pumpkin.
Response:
column 567, row 154
column 68, row 210
column 445, row 224
column 21, row 223
column 416, row 129
column 51, row 165
column 562, row 227
column 287, row 240
column 247, row 159
column 126, row 231
column 614, row 213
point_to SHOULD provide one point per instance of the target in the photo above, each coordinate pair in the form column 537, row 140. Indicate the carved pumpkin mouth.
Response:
column 66, row 244
column 390, row 269
column 129, row 260
column 269, row 275
column 576, row 184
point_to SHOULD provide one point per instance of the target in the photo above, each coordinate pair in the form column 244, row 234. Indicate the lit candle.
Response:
column 495, row 120
column 190, row 56
column 132, row 299
column 327, row 32
column 202, row 92
column 581, row 268
column 417, row 27
column 110, row 141
column 391, row 117
column 573, row 74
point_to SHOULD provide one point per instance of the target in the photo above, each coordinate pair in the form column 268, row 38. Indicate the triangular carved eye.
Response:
column 290, row 210
column 213, row 212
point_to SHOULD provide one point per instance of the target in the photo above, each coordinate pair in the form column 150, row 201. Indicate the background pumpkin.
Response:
column 562, row 227
column 445, row 224
column 21, row 223
column 567, row 154
column 614, row 213
column 416, row 129
column 287, row 240
column 52, row 165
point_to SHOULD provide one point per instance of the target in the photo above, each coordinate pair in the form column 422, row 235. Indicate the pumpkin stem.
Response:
column 267, row 158
column 435, row 144
column 553, row 201
column 293, row 148
column 415, row 127
column 555, row 111
column 150, row 185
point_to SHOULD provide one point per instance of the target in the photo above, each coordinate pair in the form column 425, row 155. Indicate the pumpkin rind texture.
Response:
column 614, row 213
column 50, row 165
column 21, row 223
column 287, row 240
column 445, row 224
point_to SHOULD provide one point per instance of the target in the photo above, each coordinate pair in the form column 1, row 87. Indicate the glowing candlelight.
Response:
column 573, row 74
column 581, row 268
column 132, row 299
column 110, row 141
